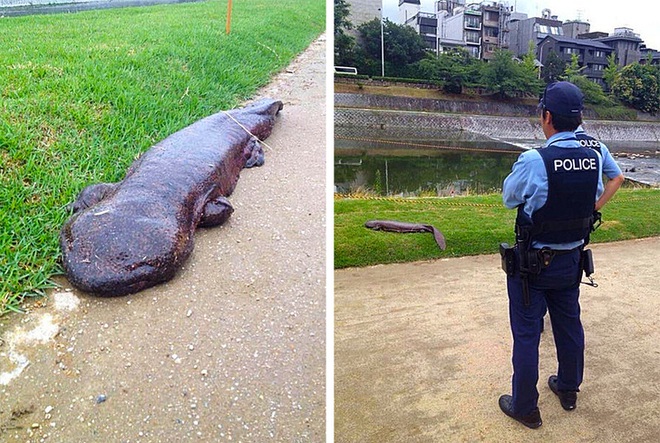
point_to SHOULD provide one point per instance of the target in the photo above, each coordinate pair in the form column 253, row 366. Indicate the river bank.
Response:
column 474, row 125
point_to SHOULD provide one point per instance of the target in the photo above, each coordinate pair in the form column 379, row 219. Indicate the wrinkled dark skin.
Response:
column 127, row 236
column 405, row 227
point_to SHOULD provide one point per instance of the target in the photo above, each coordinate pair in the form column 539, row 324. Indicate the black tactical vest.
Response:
column 587, row 141
column 567, row 214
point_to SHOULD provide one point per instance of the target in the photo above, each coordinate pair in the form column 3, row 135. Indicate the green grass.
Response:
column 83, row 94
column 471, row 225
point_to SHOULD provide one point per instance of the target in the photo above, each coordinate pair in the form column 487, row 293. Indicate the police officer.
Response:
column 611, row 170
column 555, row 189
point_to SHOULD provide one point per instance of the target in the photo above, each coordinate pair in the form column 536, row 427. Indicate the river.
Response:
column 415, row 162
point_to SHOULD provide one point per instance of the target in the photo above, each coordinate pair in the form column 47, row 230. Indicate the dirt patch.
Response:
column 423, row 352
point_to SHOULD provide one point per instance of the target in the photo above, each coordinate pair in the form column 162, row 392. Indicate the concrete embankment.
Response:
column 496, row 120
column 371, row 118
column 10, row 8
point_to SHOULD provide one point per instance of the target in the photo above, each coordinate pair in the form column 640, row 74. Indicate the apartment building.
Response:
column 495, row 35
column 478, row 28
column 626, row 45
column 534, row 29
column 592, row 54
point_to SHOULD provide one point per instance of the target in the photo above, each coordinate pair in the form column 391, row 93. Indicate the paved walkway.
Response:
column 423, row 352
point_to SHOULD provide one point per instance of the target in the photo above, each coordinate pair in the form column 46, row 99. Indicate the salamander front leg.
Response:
column 91, row 195
column 216, row 212
column 254, row 153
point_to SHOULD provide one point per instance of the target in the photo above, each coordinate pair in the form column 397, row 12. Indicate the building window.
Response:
column 491, row 32
column 491, row 16
column 471, row 22
column 472, row 36
column 474, row 51
column 425, row 29
column 599, row 54
column 571, row 51
column 597, row 67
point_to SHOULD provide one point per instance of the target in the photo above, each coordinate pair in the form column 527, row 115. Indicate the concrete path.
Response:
column 232, row 349
column 423, row 352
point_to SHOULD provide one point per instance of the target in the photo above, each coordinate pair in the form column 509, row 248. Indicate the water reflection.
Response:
column 421, row 164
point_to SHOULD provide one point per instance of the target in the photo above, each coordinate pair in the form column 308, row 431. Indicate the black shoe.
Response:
column 531, row 420
column 566, row 398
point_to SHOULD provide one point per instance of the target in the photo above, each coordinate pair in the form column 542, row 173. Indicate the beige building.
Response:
column 362, row 11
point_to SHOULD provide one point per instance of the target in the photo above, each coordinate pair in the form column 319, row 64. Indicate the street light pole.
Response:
column 382, row 45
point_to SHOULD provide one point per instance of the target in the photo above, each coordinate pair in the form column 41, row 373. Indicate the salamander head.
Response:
column 110, row 253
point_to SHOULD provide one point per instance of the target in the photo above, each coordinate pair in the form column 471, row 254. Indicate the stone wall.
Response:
column 433, row 105
column 512, row 122
column 29, row 7
column 8, row 3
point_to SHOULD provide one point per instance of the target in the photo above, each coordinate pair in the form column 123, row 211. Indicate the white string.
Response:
column 246, row 130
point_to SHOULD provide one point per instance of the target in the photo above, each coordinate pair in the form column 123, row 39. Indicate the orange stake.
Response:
column 228, row 27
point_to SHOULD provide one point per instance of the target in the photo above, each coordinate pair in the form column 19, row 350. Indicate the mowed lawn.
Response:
column 472, row 225
column 82, row 95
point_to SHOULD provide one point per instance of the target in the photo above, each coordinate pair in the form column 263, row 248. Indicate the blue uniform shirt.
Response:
column 528, row 182
column 610, row 168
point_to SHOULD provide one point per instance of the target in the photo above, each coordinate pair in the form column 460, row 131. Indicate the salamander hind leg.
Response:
column 254, row 153
column 216, row 212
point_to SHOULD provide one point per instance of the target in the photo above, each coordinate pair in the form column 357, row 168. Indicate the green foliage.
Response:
column 573, row 69
column 593, row 93
column 342, row 11
column 528, row 63
column 403, row 47
column 618, row 112
column 611, row 71
column 638, row 86
column 454, row 69
column 471, row 225
column 508, row 78
column 345, row 45
column 554, row 68
column 378, row 183
column 84, row 94
column 345, row 50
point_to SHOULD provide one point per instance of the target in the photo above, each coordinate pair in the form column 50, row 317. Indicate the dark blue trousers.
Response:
column 555, row 289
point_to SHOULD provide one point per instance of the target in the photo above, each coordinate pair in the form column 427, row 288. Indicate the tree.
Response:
column 638, row 86
column 573, row 69
column 593, row 93
column 454, row 69
column 506, row 77
column 530, row 75
column 344, row 43
column 554, row 68
column 342, row 11
column 403, row 47
column 611, row 71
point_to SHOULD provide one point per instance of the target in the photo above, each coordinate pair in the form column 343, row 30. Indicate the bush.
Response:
column 615, row 113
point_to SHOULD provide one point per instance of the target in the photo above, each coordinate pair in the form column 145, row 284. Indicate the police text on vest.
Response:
column 575, row 164
column 590, row 143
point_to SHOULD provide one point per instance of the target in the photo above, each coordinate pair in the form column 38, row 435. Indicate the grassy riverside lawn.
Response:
column 472, row 225
column 82, row 95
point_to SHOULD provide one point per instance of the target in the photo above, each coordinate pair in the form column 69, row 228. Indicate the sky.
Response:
column 603, row 15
